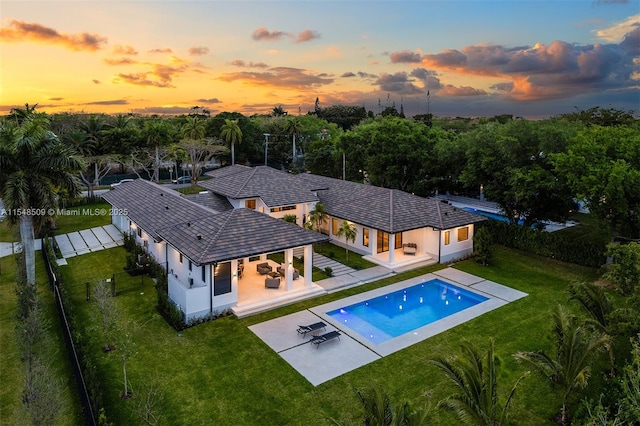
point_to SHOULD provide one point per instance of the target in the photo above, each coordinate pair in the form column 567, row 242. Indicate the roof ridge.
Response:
column 439, row 214
column 215, row 237
column 250, row 175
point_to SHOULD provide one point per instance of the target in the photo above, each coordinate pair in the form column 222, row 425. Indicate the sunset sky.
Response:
column 475, row 58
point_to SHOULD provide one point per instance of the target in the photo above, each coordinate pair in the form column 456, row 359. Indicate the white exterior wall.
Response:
column 432, row 242
column 227, row 300
column 456, row 249
column 121, row 222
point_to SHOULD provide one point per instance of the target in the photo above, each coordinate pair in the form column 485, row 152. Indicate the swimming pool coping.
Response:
column 497, row 295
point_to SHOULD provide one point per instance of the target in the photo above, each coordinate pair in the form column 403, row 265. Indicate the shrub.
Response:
column 548, row 244
column 483, row 246
column 328, row 271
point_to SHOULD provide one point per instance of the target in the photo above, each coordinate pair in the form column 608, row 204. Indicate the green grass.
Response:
column 221, row 373
column 339, row 254
column 8, row 233
column 11, row 368
column 87, row 216
column 191, row 189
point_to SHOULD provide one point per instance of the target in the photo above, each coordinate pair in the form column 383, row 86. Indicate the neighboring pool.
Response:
column 394, row 314
column 490, row 215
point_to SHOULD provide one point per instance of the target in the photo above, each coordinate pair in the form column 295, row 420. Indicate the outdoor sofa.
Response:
column 410, row 248
column 263, row 268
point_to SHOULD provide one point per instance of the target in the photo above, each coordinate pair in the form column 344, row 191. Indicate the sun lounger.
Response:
column 304, row 329
column 316, row 340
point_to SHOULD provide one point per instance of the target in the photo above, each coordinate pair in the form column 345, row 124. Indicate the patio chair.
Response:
column 410, row 248
column 317, row 340
column 272, row 282
column 304, row 329
column 263, row 268
column 295, row 274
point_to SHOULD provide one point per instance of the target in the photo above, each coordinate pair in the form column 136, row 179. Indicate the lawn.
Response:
column 78, row 218
column 221, row 373
column 11, row 377
column 339, row 254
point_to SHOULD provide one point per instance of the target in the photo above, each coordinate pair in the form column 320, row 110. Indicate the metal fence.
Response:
column 71, row 349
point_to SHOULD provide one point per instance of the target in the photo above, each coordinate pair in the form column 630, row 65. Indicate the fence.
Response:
column 71, row 349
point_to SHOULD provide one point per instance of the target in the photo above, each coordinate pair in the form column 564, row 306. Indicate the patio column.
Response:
column 288, row 269
column 392, row 248
column 308, row 263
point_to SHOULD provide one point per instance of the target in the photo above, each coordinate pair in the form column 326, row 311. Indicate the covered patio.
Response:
column 398, row 259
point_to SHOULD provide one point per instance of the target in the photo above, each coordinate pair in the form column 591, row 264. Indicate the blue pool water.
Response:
column 391, row 315
column 490, row 215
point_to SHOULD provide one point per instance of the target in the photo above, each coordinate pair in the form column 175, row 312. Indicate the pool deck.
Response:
column 336, row 357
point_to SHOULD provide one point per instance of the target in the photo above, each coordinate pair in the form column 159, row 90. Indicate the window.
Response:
column 190, row 265
column 365, row 237
column 382, row 239
column 204, row 274
column 447, row 237
column 282, row 209
column 180, row 257
column 139, row 231
column 463, row 233
column 250, row 204
column 334, row 226
column 398, row 242
column 222, row 279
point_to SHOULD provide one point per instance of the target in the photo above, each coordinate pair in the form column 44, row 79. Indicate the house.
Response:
column 214, row 244
column 211, row 251
column 394, row 228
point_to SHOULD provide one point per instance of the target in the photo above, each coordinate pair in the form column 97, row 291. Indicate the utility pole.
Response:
column 266, row 146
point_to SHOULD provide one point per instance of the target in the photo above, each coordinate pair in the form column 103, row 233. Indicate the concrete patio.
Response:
column 337, row 357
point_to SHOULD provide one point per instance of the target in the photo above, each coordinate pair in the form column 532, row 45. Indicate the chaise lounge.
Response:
column 317, row 340
column 304, row 329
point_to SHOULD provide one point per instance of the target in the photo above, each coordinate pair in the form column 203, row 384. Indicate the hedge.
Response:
column 548, row 244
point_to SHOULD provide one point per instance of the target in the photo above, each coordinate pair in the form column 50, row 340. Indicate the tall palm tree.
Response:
column 294, row 128
column 349, row 232
column 34, row 167
column 476, row 402
column 569, row 368
column 231, row 133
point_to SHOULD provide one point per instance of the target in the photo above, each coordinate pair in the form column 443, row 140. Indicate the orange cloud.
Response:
column 20, row 31
column 282, row 77
column 141, row 79
column 161, row 50
column 119, row 61
column 124, row 50
column 243, row 64
column 198, row 51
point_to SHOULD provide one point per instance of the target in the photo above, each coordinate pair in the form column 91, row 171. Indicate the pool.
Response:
column 394, row 314
column 490, row 215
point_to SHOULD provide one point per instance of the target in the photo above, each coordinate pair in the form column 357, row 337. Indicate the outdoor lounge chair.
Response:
column 316, row 340
column 272, row 282
column 304, row 329
column 410, row 248
column 263, row 268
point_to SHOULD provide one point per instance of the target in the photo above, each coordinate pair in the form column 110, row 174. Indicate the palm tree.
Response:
column 349, row 232
column 477, row 382
column 293, row 127
column 318, row 216
column 379, row 410
column 231, row 133
column 575, row 348
column 594, row 301
column 193, row 129
column 34, row 167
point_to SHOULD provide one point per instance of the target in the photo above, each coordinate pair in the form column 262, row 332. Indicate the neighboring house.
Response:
column 394, row 228
column 212, row 243
column 211, row 253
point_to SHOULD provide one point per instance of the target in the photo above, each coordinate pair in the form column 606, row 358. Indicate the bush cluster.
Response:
column 547, row 244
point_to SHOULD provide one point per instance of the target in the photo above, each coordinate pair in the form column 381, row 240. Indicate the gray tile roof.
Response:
column 216, row 202
column 390, row 210
column 235, row 234
column 230, row 234
column 153, row 207
column 274, row 187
